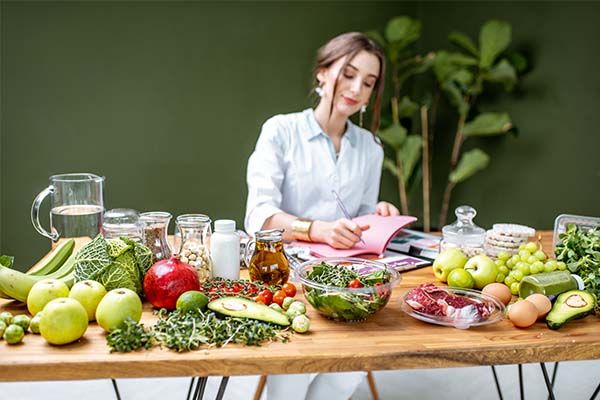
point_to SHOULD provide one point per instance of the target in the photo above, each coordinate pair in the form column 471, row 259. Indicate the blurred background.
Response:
column 166, row 100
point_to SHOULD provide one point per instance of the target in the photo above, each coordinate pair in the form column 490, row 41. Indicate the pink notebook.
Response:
column 376, row 238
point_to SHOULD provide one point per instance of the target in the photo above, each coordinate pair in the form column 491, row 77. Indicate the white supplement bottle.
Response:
column 225, row 250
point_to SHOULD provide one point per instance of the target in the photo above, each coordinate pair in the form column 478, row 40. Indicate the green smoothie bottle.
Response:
column 549, row 284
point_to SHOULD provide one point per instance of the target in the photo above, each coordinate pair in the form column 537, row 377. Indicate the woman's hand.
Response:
column 386, row 209
column 340, row 234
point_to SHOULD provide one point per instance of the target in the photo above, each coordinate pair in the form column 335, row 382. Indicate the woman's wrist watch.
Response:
column 301, row 229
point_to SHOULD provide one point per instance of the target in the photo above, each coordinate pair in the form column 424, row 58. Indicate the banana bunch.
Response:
column 58, row 264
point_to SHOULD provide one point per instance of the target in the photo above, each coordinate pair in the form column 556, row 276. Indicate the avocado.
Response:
column 570, row 305
column 243, row 308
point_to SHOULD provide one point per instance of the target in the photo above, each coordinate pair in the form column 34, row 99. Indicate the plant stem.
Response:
column 401, row 185
column 458, row 140
column 446, row 203
column 425, row 164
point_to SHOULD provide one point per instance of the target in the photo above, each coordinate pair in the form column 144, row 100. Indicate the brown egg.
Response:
column 523, row 314
column 499, row 290
column 541, row 302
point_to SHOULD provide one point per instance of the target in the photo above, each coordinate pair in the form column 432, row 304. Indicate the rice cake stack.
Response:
column 506, row 238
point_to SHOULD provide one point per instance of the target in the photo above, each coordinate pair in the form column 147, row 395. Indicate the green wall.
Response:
column 166, row 100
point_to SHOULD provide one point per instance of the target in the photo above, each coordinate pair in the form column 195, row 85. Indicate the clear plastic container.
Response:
column 462, row 320
column 561, row 222
column 122, row 222
column 463, row 233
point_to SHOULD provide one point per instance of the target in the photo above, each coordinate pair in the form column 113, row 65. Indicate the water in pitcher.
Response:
column 77, row 220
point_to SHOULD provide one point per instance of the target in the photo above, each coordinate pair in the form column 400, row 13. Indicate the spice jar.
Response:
column 154, row 233
column 122, row 222
column 193, row 234
column 463, row 233
column 268, row 262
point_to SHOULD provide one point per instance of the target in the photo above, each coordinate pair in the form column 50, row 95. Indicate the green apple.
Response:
column 63, row 321
column 88, row 293
column 116, row 307
column 446, row 261
column 43, row 292
column 461, row 278
column 483, row 270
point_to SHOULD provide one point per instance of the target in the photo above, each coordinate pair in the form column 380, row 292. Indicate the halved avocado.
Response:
column 570, row 305
column 243, row 308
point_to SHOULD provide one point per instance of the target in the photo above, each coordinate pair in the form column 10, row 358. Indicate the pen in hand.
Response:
column 344, row 210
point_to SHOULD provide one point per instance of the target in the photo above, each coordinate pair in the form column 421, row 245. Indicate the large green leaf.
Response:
column 488, row 124
column 394, row 135
column 503, row 73
column 470, row 163
column 518, row 61
column 407, row 107
column 410, row 154
column 446, row 64
column 494, row 38
column 462, row 40
column 390, row 165
column 403, row 30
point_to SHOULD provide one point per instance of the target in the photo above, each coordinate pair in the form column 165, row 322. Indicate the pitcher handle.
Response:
column 249, row 251
column 35, row 214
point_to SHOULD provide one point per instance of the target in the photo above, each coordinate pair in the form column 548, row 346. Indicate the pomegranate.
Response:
column 166, row 280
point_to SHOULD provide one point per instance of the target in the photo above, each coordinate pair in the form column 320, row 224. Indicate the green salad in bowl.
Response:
column 346, row 289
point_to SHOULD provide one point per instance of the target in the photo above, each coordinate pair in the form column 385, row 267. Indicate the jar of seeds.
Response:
column 154, row 233
column 193, row 234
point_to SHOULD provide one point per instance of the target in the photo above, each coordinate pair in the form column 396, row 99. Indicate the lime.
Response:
column 22, row 320
column 461, row 278
column 13, row 334
column 191, row 300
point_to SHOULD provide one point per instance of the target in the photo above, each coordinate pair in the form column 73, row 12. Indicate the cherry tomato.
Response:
column 355, row 283
column 259, row 299
column 289, row 289
column 266, row 293
column 237, row 288
column 279, row 296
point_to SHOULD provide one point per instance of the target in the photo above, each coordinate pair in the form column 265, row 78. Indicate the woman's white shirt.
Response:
column 294, row 168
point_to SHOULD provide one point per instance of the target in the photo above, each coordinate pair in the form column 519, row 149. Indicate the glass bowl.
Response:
column 461, row 321
column 344, row 303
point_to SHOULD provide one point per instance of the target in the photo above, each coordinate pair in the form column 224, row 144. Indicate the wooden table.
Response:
column 388, row 340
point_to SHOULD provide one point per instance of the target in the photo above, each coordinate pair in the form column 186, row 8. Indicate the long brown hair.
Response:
column 350, row 44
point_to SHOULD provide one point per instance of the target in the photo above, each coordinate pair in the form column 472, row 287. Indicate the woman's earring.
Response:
column 319, row 91
column 360, row 116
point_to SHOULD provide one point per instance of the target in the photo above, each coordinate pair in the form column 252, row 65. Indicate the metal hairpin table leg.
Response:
column 497, row 383
column 200, row 387
column 190, row 388
column 547, row 380
column 595, row 392
column 114, row 383
column 521, row 392
column 553, row 377
column 222, row 388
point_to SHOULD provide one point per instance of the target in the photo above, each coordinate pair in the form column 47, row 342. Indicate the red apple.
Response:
column 166, row 280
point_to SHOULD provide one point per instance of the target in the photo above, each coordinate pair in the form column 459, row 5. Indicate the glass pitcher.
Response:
column 268, row 263
column 76, row 206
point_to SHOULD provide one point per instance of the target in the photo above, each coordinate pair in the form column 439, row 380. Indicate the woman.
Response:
column 300, row 159
column 303, row 160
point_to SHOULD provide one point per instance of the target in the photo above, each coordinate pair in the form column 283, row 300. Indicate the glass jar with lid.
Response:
column 268, row 263
column 192, row 238
column 122, row 222
column 155, row 225
column 463, row 233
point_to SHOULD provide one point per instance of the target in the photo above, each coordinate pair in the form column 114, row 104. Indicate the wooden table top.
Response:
column 389, row 339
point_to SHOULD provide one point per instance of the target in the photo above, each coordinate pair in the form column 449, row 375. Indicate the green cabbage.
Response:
column 115, row 263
